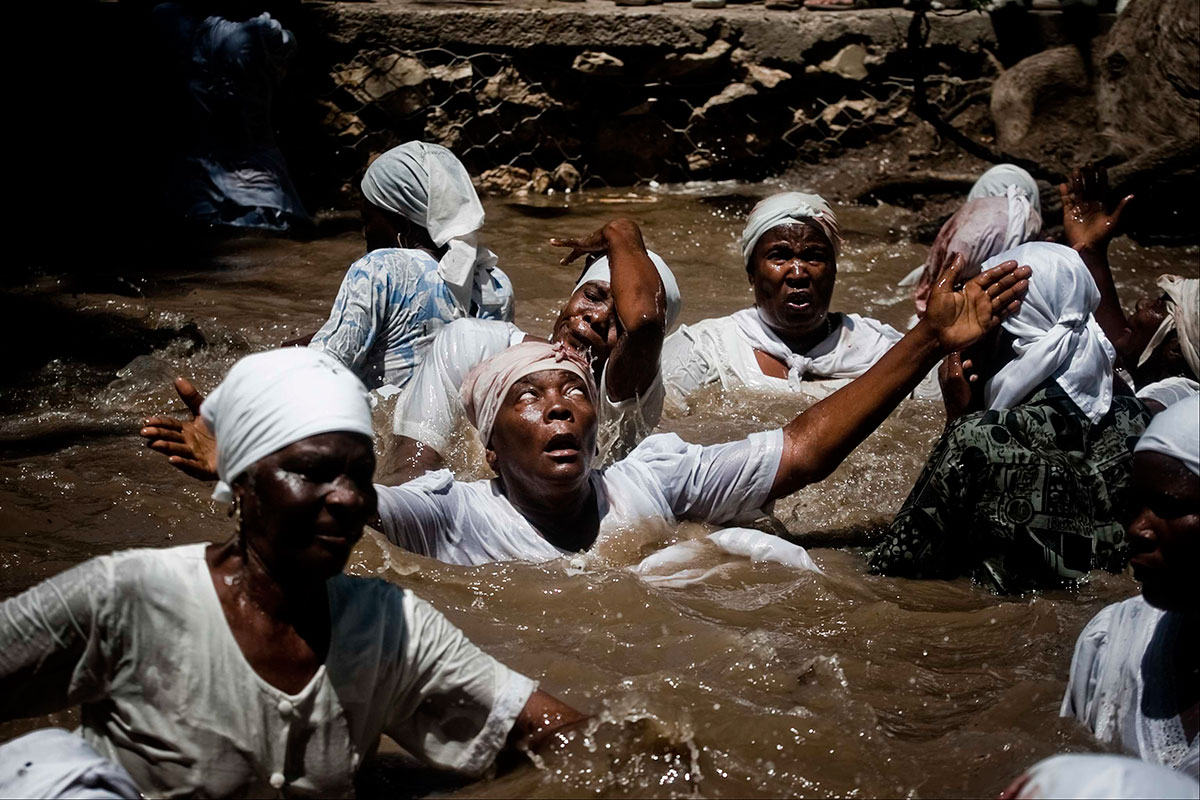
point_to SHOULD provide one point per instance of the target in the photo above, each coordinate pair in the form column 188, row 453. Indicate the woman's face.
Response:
column 304, row 507
column 588, row 322
column 1164, row 539
column 792, row 271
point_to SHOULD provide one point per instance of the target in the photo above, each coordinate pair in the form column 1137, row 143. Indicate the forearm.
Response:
column 1108, row 313
column 640, row 302
column 543, row 718
column 818, row 440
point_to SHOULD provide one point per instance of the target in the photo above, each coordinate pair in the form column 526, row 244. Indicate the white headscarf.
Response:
column 427, row 185
column 1169, row 391
column 1056, row 334
column 487, row 385
column 1006, row 180
column 785, row 208
column 599, row 270
column 273, row 399
column 1101, row 776
column 1175, row 433
column 851, row 348
column 1183, row 315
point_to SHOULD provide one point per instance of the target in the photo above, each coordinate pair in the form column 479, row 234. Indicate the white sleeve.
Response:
column 624, row 424
column 414, row 515
column 430, row 409
column 686, row 364
column 53, row 641
column 721, row 483
column 1086, row 665
column 455, row 704
column 357, row 318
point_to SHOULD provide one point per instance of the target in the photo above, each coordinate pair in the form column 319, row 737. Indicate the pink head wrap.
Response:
column 487, row 385
column 979, row 230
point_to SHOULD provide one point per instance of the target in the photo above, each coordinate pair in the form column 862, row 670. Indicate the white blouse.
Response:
column 139, row 638
column 1122, row 651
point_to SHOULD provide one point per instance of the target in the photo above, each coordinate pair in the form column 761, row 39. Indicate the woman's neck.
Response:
column 568, row 517
column 251, row 581
column 803, row 341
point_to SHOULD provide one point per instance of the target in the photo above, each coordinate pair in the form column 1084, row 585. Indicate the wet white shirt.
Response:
column 718, row 351
column 140, row 640
column 664, row 479
column 430, row 409
column 1125, row 647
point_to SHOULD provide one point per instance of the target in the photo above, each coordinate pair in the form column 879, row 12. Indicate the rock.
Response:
column 730, row 94
column 1148, row 90
column 507, row 85
column 443, row 128
column 783, row 5
column 766, row 77
column 503, row 180
column 638, row 2
column 541, row 181
column 698, row 162
column 708, row 3
column 341, row 123
column 372, row 82
column 593, row 62
column 682, row 65
column 459, row 72
column 566, row 177
column 850, row 63
column 1048, row 81
column 840, row 115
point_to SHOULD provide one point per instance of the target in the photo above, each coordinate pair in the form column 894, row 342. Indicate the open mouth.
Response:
column 562, row 447
column 799, row 300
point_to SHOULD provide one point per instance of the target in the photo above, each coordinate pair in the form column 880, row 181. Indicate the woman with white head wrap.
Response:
column 615, row 317
column 1008, row 180
column 1134, row 679
column 789, row 341
column 1028, row 485
column 1158, row 345
column 424, row 267
column 254, row 667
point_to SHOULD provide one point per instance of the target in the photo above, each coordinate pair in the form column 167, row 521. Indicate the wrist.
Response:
column 925, row 340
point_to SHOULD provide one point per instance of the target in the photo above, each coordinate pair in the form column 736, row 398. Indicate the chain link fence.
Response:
column 584, row 118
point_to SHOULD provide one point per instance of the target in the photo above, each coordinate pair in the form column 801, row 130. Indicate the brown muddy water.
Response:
column 756, row 681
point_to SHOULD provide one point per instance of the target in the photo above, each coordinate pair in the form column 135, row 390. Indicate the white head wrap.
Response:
column 427, row 185
column 1183, row 315
column 599, row 270
column 487, row 385
column 980, row 229
column 1100, row 776
column 785, row 208
column 273, row 399
column 1056, row 334
column 1005, row 180
column 1169, row 391
column 1175, row 433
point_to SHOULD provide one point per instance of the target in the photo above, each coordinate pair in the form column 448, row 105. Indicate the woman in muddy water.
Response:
column 424, row 266
column 255, row 667
column 1158, row 346
column 789, row 341
column 1135, row 676
column 534, row 409
column 616, row 317
column 1029, row 483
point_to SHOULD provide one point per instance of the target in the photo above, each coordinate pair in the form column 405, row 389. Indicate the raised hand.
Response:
column 961, row 318
column 189, row 445
column 1086, row 221
column 594, row 242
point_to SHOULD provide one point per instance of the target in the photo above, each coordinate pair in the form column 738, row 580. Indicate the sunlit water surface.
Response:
column 756, row 681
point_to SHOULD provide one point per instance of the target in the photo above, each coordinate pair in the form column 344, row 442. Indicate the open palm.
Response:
column 961, row 318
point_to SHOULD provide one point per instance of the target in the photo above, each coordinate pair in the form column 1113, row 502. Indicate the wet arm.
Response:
column 542, row 721
column 818, row 440
column 641, row 305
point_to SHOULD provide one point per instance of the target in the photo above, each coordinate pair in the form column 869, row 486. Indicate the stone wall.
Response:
column 594, row 94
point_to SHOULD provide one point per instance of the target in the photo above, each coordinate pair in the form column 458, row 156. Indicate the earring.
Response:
column 237, row 516
column 400, row 240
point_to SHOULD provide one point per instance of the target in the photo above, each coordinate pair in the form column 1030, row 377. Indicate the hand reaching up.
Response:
column 961, row 318
column 1086, row 221
column 188, row 444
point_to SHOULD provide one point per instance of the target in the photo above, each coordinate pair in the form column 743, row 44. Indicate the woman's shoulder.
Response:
column 395, row 260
